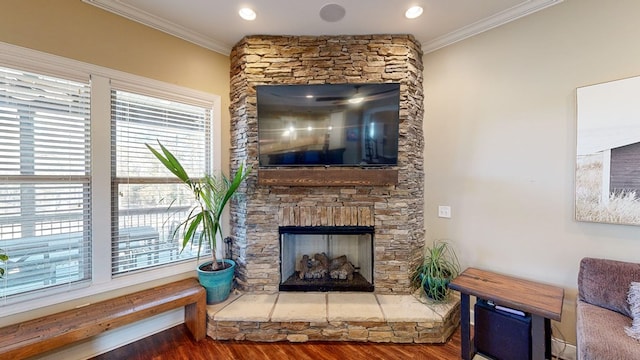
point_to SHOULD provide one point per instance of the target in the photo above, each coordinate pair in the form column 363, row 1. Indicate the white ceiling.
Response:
column 215, row 24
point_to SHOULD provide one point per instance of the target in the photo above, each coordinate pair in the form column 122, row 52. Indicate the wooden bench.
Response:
column 39, row 335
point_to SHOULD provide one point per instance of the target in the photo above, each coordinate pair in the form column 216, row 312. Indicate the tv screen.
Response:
column 328, row 124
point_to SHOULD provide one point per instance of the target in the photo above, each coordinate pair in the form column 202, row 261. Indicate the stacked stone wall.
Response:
column 428, row 332
column 395, row 211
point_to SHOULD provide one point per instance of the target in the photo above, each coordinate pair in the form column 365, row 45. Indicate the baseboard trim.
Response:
column 562, row 350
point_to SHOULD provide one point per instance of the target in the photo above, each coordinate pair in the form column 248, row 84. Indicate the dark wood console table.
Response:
column 543, row 302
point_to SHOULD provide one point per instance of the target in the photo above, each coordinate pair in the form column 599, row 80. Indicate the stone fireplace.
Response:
column 387, row 202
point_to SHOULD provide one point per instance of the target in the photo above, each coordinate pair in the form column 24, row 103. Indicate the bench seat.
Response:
column 22, row 340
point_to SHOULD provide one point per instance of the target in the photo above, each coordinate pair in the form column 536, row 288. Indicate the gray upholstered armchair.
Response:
column 603, row 311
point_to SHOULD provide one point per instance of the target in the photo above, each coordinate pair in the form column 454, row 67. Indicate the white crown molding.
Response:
column 158, row 23
column 132, row 13
column 523, row 9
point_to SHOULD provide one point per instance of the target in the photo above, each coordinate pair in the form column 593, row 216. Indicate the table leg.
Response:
column 468, row 350
column 547, row 338
column 538, row 337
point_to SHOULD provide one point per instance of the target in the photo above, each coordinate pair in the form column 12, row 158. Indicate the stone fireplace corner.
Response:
column 394, row 211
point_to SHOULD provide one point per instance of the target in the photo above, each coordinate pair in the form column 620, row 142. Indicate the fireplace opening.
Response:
column 326, row 258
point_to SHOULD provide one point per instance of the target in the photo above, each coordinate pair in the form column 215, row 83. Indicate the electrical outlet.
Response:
column 444, row 211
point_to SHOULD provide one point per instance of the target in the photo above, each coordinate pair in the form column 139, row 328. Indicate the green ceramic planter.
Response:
column 217, row 283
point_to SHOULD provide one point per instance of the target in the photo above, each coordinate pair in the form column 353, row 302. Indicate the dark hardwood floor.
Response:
column 176, row 344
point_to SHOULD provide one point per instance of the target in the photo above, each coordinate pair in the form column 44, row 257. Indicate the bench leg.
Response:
column 195, row 317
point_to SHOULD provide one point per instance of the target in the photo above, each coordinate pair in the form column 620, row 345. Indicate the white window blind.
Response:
column 149, row 202
column 44, row 181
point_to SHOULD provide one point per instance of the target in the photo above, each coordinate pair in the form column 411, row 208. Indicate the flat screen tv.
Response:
column 328, row 124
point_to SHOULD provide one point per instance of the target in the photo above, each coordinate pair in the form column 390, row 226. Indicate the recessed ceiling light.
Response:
column 247, row 14
column 413, row 12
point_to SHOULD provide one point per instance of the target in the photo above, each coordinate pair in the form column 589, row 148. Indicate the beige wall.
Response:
column 500, row 130
column 73, row 29
column 79, row 31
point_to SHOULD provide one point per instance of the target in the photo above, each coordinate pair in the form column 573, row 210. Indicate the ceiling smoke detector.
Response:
column 332, row 12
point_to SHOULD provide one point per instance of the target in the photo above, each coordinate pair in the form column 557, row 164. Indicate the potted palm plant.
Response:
column 438, row 267
column 202, row 225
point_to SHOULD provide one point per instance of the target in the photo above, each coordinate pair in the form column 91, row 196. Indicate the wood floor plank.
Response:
column 177, row 344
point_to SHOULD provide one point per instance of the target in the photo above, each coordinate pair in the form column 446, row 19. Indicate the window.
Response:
column 45, row 209
column 148, row 201
column 77, row 183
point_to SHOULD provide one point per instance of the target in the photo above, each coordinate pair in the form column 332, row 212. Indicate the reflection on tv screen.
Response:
column 328, row 124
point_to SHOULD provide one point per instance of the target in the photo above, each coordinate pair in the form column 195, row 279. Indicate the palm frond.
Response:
column 211, row 194
column 170, row 162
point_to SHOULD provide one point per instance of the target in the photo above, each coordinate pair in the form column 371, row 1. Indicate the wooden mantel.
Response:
column 328, row 177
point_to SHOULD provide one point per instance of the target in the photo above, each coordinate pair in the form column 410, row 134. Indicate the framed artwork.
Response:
column 608, row 152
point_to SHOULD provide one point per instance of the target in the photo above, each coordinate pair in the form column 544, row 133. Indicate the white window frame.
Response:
column 47, row 246
column 101, row 77
column 122, row 179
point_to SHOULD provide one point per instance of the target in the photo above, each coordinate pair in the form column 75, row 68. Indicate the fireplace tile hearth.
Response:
column 353, row 307
column 295, row 307
column 247, row 308
column 300, row 317
column 404, row 308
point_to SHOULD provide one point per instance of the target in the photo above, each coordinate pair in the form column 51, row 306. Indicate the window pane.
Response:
column 45, row 193
column 150, row 204
column 147, row 222
column 140, row 120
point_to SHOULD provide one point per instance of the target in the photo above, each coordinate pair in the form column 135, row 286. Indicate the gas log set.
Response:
column 320, row 266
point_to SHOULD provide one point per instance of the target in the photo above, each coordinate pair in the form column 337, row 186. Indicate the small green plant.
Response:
column 211, row 194
column 438, row 267
column 3, row 260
